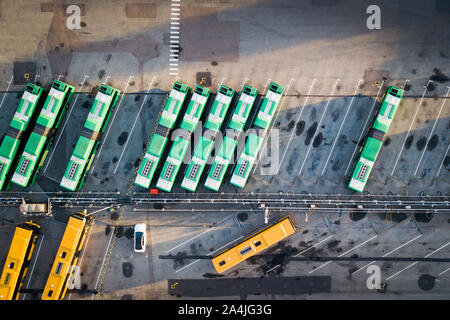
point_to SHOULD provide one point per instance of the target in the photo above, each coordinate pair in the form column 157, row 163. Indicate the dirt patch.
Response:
column 409, row 142
column 127, row 269
column 299, row 128
column 420, row 144
column 129, row 233
column 433, row 142
column 122, row 138
column 438, row 76
column 310, row 133
column 318, row 140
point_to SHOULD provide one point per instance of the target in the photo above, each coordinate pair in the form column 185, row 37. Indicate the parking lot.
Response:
column 335, row 72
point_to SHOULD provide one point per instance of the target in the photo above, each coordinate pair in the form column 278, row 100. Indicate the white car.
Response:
column 140, row 237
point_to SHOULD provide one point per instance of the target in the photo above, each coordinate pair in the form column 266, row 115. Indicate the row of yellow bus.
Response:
column 21, row 251
column 25, row 236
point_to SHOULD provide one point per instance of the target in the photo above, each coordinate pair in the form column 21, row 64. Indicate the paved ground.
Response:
column 334, row 70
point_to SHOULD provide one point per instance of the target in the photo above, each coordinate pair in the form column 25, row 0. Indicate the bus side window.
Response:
column 221, row 263
column 258, row 243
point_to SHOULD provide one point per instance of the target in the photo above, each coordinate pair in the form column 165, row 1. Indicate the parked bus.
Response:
column 256, row 137
column 254, row 244
column 204, row 146
column 373, row 142
column 18, row 132
column 161, row 134
column 230, row 141
column 66, row 257
column 182, row 138
column 89, row 140
column 43, row 134
column 18, row 260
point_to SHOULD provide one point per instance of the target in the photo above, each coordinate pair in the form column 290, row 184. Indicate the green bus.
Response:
column 18, row 132
column 373, row 142
column 234, row 130
column 182, row 138
column 89, row 140
column 204, row 147
column 43, row 134
column 161, row 134
column 256, row 136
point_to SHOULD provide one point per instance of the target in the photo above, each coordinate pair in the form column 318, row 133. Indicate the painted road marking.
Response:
column 298, row 119
column 110, row 124
column 34, row 264
column 265, row 142
column 385, row 255
column 4, row 95
column 209, row 254
column 134, row 124
column 359, row 245
column 340, row 128
column 364, row 128
column 443, row 160
column 431, row 133
column 64, row 125
column 103, row 262
column 318, row 127
column 410, row 127
column 414, row 263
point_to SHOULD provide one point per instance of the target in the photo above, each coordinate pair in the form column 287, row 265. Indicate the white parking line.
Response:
column 4, row 95
column 404, row 85
column 110, row 124
column 34, row 264
column 385, row 255
column 190, row 264
column 318, row 127
column 414, row 263
column 298, row 119
column 271, row 126
column 410, row 127
column 197, row 235
column 364, row 128
column 340, row 128
column 440, row 274
column 443, row 160
column 431, row 133
column 64, row 125
column 314, row 245
column 103, row 262
column 359, row 245
column 134, row 124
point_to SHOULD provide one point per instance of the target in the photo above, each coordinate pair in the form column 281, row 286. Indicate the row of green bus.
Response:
column 181, row 136
column 40, row 112
column 256, row 133
column 33, row 129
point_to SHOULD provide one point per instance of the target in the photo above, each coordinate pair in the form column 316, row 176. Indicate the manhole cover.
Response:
column 24, row 72
column 374, row 78
column 426, row 282
column 242, row 216
column 203, row 79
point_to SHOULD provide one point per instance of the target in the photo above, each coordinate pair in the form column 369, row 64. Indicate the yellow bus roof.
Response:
column 62, row 263
column 16, row 256
column 254, row 244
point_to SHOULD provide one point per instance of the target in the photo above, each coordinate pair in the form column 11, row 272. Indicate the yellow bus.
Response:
column 66, row 257
column 255, row 243
column 18, row 259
